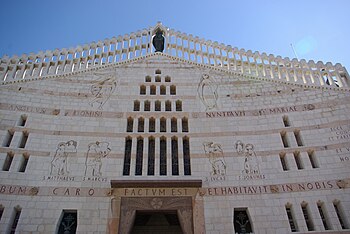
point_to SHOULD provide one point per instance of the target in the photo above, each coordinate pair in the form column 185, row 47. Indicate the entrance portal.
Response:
column 156, row 223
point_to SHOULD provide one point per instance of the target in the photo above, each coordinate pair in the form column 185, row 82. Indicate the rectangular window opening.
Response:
column 290, row 215
column 151, row 156
column 298, row 160
column 68, row 221
column 286, row 121
column 174, row 157
column 15, row 219
column 127, row 156
column 186, row 155
column 298, row 138
column 8, row 139
column 324, row 219
column 22, row 121
column 241, row 221
column 139, row 157
column 162, row 156
column 312, row 158
column 284, row 139
column 283, row 161
column 8, row 161
column 307, row 217
column 24, row 163
column 340, row 215
column 23, row 140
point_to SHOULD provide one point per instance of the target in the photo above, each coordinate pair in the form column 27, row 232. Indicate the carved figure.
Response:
column 158, row 41
column 251, row 163
column 93, row 162
column 207, row 92
column 216, row 158
column 59, row 162
column 102, row 90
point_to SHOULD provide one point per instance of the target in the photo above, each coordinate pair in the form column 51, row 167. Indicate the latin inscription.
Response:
column 340, row 132
column 260, row 112
column 22, row 108
column 134, row 192
column 343, row 154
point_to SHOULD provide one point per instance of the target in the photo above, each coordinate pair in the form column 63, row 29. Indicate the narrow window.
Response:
column 23, row 140
column 139, row 156
column 173, row 125
column 184, row 124
column 162, row 124
column 284, row 139
column 283, row 161
column 162, row 90
column 340, row 215
column 127, row 156
column 306, row 214
column 162, row 156
column 298, row 137
column 312, row 158
column 153, row 90
column 151, row 156
column 1, row 211
column 141, row 125
column 178, row 105
column 321, row 210
column 172, row 90
column 143, row 90
column 8, row 161
column 241, row 221
column 286, row 121
column 157, row 79
column 68, row 221
column 167, row 79
column 147, row 106
column 148, row 79
column 292, row 223
column 174, row 156
column 22, row 121
column 158, row 71
column 136, row 105
column 130, row 125
column 8, row 138
column 15, row 219
column 168, row 105
column 186, row 154
column 152, row 124
column 157, row 106
column 24, row 163
column 298, row 160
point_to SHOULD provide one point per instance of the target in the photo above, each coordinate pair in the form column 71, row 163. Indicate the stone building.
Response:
column 198, row 137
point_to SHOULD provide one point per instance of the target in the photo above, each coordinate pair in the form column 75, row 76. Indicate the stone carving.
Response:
column 93, row 162
column 102, row 90
column 207, row 92
column 59, row 163
column 156, row 203
column 158, row 41
column 251, row 163
column 34, row 191
column 215, row 155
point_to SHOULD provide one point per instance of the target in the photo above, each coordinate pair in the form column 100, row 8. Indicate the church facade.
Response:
column 158, row 131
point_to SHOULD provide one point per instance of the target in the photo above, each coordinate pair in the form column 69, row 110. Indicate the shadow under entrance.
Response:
column 149, row 222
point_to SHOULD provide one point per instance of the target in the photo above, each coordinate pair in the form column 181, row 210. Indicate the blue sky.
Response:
column 319, row 30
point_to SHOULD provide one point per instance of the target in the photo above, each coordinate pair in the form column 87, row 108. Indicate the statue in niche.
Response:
column 102, row 90
column 158, row 41
column 59, row 164
column 207, row 92
column 216, row 158
column 93, row 162
column 251, row 163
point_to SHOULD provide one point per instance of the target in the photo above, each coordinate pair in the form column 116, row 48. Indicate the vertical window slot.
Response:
column 139, row 156
column 340, row 215
column 127, row 156
column 186, row 155
column 136, row 105
column 284, row 139
column 283, row 161
column 8, row 161
column 152, row 124
column 174, row 156
column 24, row 163
column 162, row 156
column 15, row 219
column 307, row 217
column 286, row 121
column 290, row 215
column 162, row 124
column 312, row 158
column 184, row 124
column 8, row 138
column 298, row 160
column 23, row 140
column 298, row 138
column 130, row 125
column 151, row 156
column 321, row 211
column 141, row 125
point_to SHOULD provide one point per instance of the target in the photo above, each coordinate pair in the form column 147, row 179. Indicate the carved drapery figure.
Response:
column 158, row 41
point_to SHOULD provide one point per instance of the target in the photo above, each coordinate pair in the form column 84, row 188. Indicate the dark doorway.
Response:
column 147, row 222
